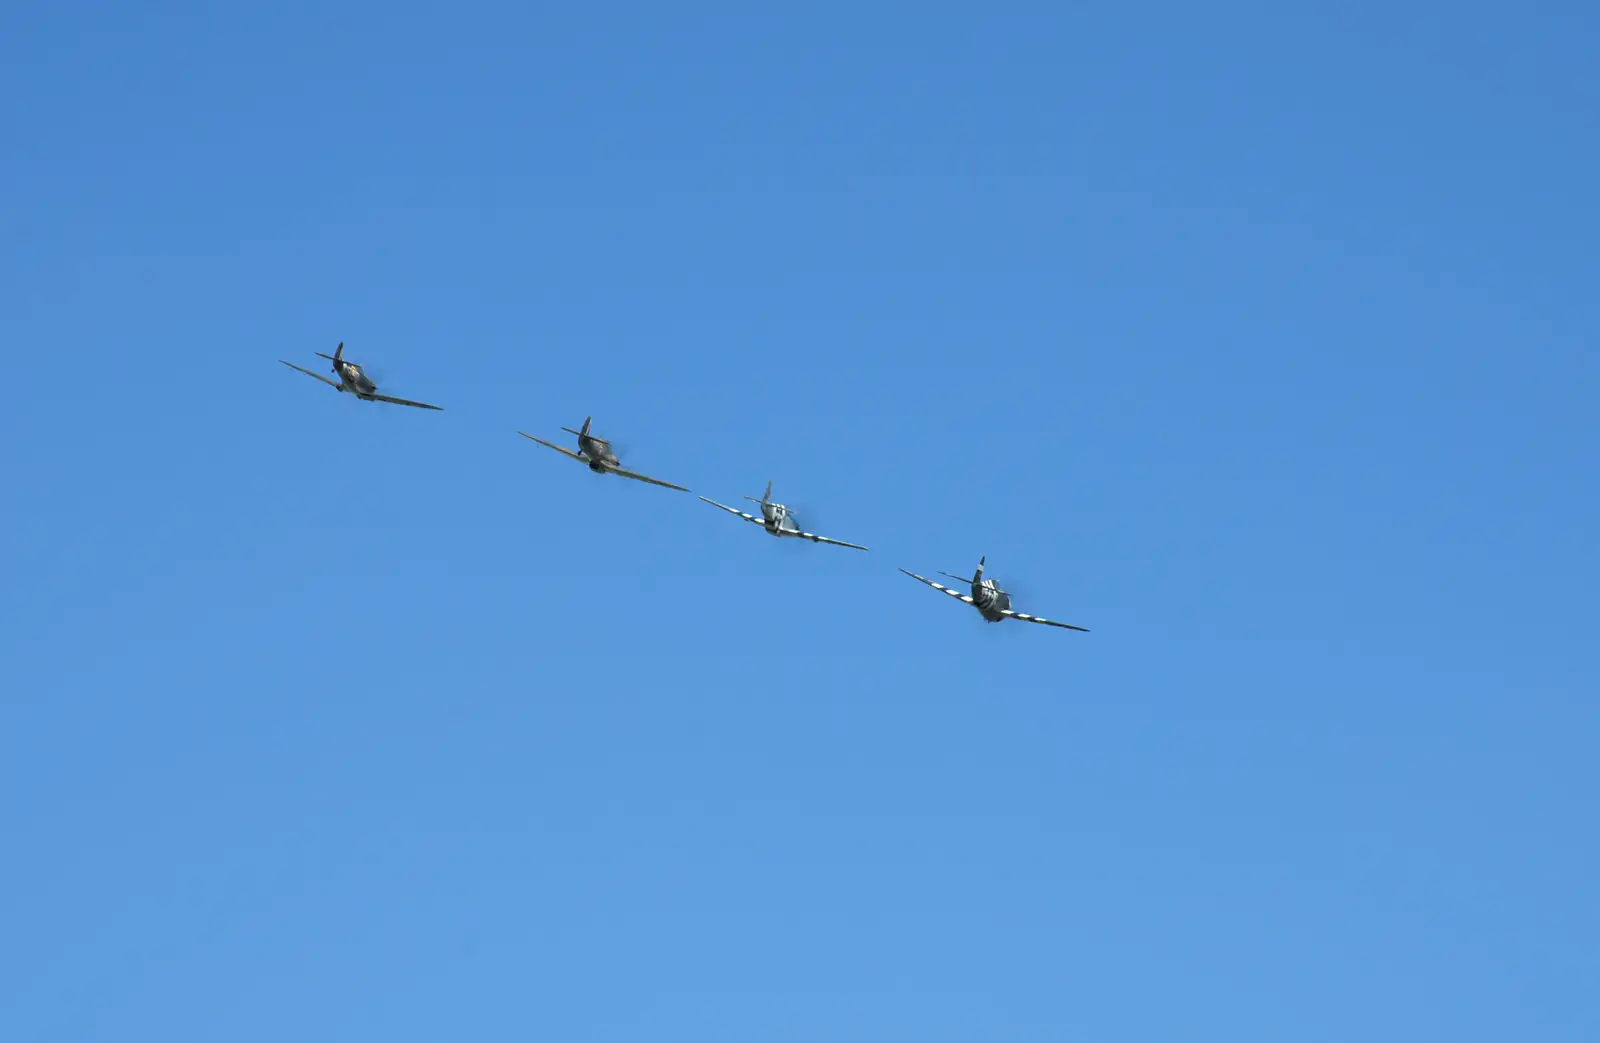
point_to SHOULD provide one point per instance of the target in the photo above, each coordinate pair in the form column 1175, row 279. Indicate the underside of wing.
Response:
column 733, row 510
column 1037, row 619
column 814, row 538
column 404, row 402
column 313, row 376
column 560, row 449
column 646, row 478
column 941, row 587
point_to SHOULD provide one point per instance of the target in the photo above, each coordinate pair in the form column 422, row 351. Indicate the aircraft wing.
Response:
column 814, row 538
column 404, row 402
column 645, row 478
column 560, row 449
column 733, row 510
column 941, row 587
column 314, row 376
column 1035, row 619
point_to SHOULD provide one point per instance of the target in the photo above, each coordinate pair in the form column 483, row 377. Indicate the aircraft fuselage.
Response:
column 989, row 599
column 353, row 380
column 596, row 455
column 775, row 518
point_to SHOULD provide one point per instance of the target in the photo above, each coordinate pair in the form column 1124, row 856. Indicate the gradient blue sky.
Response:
column 1260, row 341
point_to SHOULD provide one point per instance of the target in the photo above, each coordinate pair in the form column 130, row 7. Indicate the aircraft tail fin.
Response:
column 977, row 577
column 584, row 433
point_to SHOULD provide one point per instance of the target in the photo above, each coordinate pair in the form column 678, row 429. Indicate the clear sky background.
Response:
column 1258, row 338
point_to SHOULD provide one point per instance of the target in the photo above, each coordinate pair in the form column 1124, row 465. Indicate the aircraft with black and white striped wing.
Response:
column 596, row 453
column 778, row 520
column 354, row 380
column 991, row 602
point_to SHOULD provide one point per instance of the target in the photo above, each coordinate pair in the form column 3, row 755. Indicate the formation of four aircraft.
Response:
column 598, row 455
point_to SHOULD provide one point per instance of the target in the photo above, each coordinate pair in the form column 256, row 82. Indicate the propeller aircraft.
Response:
column 596, row 453
column 991, row 602
column 777, row 519
column 354, row 380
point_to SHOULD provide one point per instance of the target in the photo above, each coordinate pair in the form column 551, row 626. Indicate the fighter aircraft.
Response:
column 776, row 519
column 597, row 454
column 353, row 380
column 991, row 602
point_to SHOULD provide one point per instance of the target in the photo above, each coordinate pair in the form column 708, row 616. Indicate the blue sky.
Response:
column 1260, row 342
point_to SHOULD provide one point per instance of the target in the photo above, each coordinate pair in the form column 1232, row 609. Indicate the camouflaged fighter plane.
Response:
column 596, row 453
column 991, row 602
column 778, row 520
column 354, row 380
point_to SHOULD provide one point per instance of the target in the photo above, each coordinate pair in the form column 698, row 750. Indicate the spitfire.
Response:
column 777, row 520
column 354, row 380
column 991, row 602
column 597, row 453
